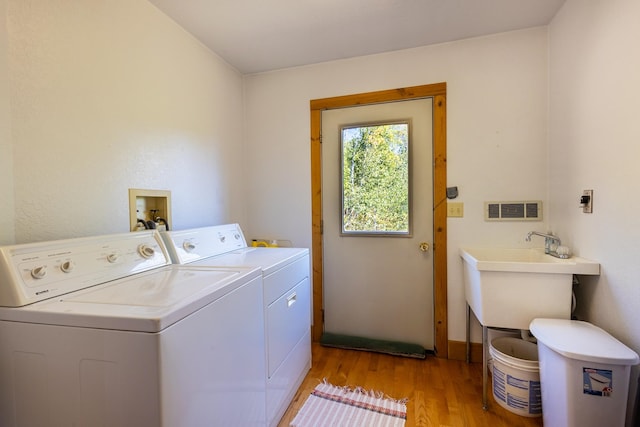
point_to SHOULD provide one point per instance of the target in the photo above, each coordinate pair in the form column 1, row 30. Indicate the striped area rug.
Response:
column 333, row 406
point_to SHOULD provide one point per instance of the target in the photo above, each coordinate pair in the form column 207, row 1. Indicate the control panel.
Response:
column 187, row 246
column 39, row 271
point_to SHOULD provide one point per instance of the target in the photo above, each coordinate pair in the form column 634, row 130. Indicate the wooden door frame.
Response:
column 438, row 92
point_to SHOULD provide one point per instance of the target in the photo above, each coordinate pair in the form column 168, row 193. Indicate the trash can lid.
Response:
column 583, row 341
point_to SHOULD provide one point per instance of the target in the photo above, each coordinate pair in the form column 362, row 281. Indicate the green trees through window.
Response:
column 375, row 178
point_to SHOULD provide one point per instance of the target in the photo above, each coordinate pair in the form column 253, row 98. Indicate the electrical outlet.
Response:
column 586, row 201
column 455, row 209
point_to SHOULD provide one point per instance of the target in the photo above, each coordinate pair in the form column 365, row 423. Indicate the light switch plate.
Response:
column 455, row 209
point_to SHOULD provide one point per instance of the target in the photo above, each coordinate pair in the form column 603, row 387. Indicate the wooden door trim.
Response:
column 438, row 92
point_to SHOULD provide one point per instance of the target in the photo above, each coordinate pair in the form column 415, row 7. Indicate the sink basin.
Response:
column 508, row 287
column 526, row 261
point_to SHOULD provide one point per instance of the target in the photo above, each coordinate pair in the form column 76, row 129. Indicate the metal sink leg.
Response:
column 485, row 357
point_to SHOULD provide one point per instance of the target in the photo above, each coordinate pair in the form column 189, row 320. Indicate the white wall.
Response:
column 594, row 143
column 7, row 215
column 107, row 95
column 497, row 121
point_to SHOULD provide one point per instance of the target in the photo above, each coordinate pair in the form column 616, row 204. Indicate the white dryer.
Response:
column 103, row 331
column 287, row 300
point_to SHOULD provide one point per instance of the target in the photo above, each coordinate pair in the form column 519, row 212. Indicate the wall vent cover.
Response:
column 513, row 211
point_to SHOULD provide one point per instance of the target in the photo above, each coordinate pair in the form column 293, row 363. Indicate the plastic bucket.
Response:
column 516, row 376
column 495, row 333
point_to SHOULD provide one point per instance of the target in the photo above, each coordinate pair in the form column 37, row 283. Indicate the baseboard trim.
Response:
column 458, row 351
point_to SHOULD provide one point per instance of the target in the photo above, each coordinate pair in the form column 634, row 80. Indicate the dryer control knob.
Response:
column 39, row 272
column 146, row 251
column 113, row 258
column 67, row 266
column 188, row 245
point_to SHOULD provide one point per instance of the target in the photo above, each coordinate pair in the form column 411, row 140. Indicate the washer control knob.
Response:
column 188, row 245
column 113, row 258
column 39, row 272
column 237, row 236
column 146, row 251
column 223, row 238
column 67, row 266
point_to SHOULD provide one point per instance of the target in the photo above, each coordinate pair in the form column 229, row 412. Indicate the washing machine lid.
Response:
column 267, row 259
column 225, row 245
column 146, row 302
column 582, row 341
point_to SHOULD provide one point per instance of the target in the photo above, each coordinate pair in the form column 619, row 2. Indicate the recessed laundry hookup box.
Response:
column 149, row 209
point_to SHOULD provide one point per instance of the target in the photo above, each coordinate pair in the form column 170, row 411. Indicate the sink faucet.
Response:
column 551, row 243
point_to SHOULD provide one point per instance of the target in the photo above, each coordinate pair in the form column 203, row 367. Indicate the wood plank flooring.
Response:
column 440, row 392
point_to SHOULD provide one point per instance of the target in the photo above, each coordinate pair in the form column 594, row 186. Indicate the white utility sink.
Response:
column 508, row 287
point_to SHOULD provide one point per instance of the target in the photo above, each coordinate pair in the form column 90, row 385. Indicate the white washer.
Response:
column 287, row 300
column 103, row 331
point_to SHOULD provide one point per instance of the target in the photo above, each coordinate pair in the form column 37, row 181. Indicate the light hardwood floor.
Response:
column 440, row 392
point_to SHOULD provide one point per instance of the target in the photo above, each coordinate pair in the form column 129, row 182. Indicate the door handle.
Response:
column 424, row 246
column 291, row 299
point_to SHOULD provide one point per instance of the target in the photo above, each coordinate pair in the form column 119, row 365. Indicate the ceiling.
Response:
column 261, row 35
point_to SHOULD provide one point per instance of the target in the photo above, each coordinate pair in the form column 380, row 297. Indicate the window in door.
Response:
column 375, row 179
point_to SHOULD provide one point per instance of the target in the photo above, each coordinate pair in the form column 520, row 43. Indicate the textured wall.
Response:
column 108, row 95
column 594, row 139
column 7, row 230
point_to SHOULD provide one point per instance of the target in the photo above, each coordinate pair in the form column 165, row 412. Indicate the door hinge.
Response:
column 322, row 315
column 321, row 226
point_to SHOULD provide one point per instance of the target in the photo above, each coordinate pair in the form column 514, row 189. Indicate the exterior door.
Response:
column 380, row 286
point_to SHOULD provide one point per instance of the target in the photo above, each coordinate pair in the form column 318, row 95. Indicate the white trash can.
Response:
column 584, row 374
